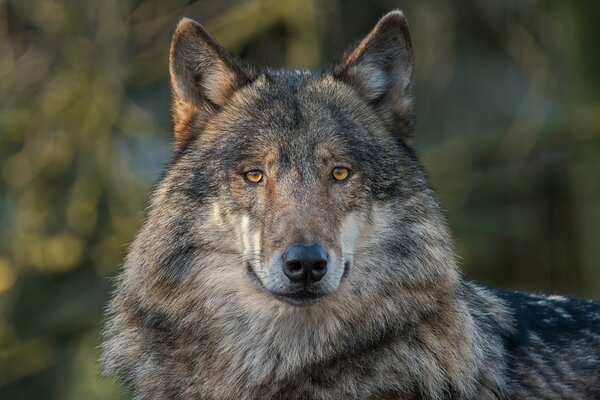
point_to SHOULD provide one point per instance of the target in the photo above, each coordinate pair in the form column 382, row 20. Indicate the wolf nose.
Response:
column 305, row 263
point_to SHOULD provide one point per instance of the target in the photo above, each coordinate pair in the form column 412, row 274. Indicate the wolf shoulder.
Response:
column 553, row 319
column 554, row 348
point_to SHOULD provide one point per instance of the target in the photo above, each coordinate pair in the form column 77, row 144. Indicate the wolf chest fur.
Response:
column 294, row 249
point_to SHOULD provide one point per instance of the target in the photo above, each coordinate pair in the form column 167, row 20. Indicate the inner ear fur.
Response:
column 204, row 77
column 381, row 69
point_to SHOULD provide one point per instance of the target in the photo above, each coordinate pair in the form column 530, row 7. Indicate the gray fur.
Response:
column 195, row 315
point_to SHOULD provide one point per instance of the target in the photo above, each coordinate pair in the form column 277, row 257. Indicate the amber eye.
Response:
column 254, row 176
column 340, row 174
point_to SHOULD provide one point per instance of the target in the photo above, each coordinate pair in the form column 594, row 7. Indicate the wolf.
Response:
column 294, row 249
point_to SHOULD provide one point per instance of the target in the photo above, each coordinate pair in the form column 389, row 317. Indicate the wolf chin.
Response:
column 294, row 249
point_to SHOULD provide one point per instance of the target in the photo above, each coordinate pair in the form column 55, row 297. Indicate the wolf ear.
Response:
column 381, row 69
column 204, row 76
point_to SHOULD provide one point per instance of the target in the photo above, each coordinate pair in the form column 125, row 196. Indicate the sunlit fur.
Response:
column 194, row 315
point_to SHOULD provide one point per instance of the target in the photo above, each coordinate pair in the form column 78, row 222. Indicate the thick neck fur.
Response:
column 186, row 324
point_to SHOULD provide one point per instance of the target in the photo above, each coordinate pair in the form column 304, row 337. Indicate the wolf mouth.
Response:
column 302, row 297
column 299, row 298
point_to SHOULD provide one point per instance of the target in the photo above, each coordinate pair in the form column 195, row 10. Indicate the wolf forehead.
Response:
column 296, row 112
column 289, row 103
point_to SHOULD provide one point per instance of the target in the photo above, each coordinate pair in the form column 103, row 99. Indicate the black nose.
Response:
column 305, row 263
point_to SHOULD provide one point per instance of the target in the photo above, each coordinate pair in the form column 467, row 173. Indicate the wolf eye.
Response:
column 340, row 174
column 254, row 176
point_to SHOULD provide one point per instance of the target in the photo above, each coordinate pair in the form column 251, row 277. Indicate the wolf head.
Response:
column 288, row 183
column 299, row 175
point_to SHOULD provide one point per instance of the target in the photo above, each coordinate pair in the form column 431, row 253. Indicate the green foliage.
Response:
column 509, row 110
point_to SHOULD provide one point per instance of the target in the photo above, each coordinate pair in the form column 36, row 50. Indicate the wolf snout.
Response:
column 304, row 263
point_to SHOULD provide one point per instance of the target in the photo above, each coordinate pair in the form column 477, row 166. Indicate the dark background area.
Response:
column 508, row 97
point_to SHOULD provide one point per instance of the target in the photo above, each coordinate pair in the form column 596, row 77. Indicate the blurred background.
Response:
column 508, row 96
